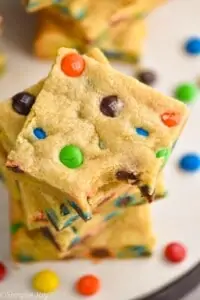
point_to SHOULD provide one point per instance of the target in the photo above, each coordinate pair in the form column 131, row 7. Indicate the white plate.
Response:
column 176, row 218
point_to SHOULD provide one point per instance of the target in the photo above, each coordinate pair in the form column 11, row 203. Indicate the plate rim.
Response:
column 178, row 288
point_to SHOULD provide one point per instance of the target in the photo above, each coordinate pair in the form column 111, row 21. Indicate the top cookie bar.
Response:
column 74, row 8
column 104, row 14
column 92, row 126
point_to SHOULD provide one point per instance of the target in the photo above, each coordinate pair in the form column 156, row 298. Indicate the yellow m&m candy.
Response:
column 45, row 281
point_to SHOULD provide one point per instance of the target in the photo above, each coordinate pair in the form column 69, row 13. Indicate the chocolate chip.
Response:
column 147, row 77
column 124, row 175
column 145, row 192
column 100, row 253
column 111, row 106
column 22, row 103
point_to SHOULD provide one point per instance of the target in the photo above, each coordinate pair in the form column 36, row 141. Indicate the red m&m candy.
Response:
column 3, row 271
column 175, row 252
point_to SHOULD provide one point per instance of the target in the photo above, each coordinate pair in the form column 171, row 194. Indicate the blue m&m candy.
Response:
column 142, row 131
column 192, row 46
column 39, row 133
column 190, row 162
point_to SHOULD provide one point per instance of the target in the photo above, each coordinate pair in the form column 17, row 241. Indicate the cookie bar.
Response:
column 6, row 177
column 33, row 203
column 18, row 220
column 110, row 202
column 113, row 209
column 37, row 200
column 28, row 246
column 124, row 41
column 74, row 8
column 61, row 215
column 43, row 206
column 136, row 9
column 105, row 14
column 36, row 245
column 94, row 129
column 67, row 238
column 35, row 5
column 131, row 240
column 73, row 235
column 40, row 206
column 50, row 36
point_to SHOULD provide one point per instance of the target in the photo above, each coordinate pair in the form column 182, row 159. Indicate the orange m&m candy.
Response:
column 87, row 285
column 170, row 119
column 73, row 65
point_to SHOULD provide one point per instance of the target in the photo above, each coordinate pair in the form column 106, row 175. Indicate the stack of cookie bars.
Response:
column 116, row 27
column 82, row 154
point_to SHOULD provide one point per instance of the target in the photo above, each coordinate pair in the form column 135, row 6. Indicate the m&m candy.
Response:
column 175, row 252
column 87, row 285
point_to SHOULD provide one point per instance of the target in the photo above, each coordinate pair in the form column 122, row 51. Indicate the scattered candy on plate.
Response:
column 175, row 252
column 192, row 46
column 87, row 285
column 45, row 281
column 3, row 271
column 146, row 76
column 186, row 92
column 190, row 162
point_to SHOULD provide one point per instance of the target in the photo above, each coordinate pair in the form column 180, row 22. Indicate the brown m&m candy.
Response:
column 111, row 106
column 23, row 102
column 146, row 76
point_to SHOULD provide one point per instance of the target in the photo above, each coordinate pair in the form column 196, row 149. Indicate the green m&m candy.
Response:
column 186, row 92
column 71, row 156
column 165, row 153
